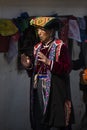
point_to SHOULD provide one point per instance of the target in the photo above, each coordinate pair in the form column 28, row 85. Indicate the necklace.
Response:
column 48, row 43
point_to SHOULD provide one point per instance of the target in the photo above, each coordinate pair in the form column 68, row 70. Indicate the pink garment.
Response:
column 74, row 31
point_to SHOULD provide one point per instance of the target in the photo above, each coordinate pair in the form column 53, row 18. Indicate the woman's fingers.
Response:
column 25, row 60
column 42, row 57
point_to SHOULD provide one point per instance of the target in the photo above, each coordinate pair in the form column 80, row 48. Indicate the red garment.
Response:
column 40, row 64
column 60, row 66
column 4, row 43
column 64, row 64
column 59, row 89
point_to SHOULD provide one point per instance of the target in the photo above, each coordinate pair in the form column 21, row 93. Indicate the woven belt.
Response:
column 42, row 76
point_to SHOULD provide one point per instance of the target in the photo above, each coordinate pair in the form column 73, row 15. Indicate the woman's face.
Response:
column 44, row 34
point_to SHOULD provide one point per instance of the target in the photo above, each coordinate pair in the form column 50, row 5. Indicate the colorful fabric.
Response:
column 59, row 90
column 41, row 21
column 46, row 82
column 48, row 79
column 7, row 27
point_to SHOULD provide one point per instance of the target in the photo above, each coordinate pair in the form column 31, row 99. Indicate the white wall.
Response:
column 12, row 8
column 14, row 97
column 14, row 87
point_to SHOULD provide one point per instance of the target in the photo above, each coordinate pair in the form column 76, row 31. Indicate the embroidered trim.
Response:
column 54, row 50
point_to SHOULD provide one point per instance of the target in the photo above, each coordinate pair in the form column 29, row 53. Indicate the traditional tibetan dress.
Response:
column 49, row 92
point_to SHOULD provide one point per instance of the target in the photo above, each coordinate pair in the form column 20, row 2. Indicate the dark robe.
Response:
column 59, row 93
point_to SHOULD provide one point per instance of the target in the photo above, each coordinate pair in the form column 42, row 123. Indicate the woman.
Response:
column 49, row 105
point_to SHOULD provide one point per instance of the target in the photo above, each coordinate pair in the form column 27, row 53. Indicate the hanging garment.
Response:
column 4, row 43
column 82, row 26
column 13, row 48
column 63, row 33
column 7, row 27
column 74, row 31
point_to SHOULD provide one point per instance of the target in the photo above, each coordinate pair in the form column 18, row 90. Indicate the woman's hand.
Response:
column 25, row 60
column 43, row 58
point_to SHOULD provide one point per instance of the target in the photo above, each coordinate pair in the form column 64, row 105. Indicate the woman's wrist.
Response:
column 48, row 62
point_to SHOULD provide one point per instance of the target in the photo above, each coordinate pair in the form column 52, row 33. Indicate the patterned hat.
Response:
column 45, row 22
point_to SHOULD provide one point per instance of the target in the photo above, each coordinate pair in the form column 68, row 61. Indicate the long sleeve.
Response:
column 63, row 65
